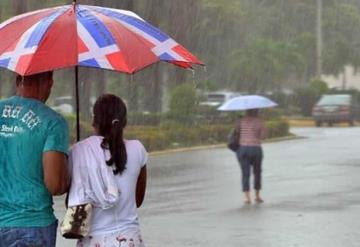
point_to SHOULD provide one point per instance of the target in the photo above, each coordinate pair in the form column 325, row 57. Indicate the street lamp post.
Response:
column 319, row 39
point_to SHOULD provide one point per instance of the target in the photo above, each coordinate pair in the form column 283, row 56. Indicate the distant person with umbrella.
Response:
column 250, row 154
column 251, row 133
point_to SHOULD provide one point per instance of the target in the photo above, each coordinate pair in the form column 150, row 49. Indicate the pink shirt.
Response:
column 252, row 131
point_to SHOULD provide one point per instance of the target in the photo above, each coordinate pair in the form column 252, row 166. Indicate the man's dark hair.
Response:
column 34, row 78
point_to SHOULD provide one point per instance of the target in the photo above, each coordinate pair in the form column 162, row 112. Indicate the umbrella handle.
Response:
column 74, row 5
column 77, row 103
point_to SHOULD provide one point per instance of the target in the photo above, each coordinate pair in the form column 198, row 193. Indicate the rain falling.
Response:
column 303, row 55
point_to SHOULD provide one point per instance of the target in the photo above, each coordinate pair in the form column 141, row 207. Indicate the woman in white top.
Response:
column 117, row 194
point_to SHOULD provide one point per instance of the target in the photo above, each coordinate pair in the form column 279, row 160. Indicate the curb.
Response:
column 304, row 123
column 221, row 145
column 284, row 138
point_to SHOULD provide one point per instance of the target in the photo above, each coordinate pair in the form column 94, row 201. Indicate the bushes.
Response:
column 308, row 96
column 85, row 127
column 166, row 138
column 277, row 128
column 183, row 103
column 148, row 118
column 173, row 134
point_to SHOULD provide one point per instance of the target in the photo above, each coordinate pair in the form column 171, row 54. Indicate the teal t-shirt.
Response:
column 28, row 128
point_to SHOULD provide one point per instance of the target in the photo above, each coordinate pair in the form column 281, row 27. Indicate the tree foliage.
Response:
column 183, row 102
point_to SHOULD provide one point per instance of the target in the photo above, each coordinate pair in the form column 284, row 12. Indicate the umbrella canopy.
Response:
column 247, row 102
column 83, row 35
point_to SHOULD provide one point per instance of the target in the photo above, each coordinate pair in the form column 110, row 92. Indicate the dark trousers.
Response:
column 250, row 156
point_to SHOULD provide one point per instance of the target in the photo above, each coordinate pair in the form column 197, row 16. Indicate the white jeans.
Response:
column 115, row 239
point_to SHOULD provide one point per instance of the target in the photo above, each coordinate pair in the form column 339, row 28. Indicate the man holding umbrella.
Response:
column 34, row 42
column 33, row 166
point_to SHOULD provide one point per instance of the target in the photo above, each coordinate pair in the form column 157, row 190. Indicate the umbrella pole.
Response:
column 77, row 103
column 77, row 97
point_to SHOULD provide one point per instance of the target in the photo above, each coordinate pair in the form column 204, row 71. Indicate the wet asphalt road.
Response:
column 311, row 192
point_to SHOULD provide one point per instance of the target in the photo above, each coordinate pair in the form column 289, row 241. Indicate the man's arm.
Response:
column 141, row 186
column 56, row 175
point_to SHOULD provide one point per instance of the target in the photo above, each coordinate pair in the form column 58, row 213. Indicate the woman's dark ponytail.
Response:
column 110, row 121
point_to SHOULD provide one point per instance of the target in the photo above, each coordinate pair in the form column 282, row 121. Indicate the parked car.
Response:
column 335, row 108
column 63, row 104
column 207, row 110
column 215, row 99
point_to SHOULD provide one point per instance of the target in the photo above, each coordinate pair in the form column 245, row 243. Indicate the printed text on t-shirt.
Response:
column 29, row 118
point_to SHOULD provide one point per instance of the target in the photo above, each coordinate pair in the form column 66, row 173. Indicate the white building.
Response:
column 347, row 81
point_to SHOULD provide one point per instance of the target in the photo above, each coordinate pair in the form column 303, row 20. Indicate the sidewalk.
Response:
column 221, row 145
column 309, row 122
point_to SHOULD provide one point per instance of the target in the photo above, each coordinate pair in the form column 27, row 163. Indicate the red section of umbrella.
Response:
column 60, row 42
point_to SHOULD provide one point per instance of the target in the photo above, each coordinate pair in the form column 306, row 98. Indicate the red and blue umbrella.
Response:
column 90, row 36
column 83, row 35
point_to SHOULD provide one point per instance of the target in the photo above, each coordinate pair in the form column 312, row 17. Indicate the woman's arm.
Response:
column 263, row 133
column 141, row 186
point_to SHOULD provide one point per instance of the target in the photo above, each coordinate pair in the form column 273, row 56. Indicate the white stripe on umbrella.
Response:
column 20, row 49
column 167, row 46
column 159, row 47
column 120, row 11
column 95, row 52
